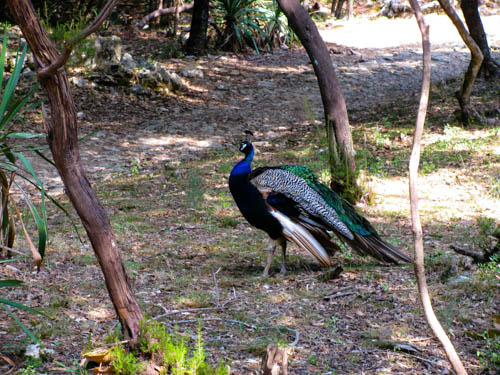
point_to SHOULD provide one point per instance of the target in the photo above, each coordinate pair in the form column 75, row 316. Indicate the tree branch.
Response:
column 61, row 60
column 415, row 217
column 159, row 12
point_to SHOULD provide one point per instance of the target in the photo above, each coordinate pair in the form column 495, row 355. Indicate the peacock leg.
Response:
column 272, row 249
column 283, row 256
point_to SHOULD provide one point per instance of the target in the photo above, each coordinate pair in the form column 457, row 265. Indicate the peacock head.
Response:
column 246, row 147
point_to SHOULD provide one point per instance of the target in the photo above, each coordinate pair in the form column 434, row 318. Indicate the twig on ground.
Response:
column 248, row 325
column 217, row 299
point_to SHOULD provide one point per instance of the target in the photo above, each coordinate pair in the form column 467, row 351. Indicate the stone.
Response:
column 80, row 82
column 193, row 73
column 128, row 61
column 108, row 48
column 139, row 90
column 221, row 87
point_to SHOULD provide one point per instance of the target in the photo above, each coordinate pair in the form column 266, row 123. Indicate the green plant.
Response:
column 5, row 303
column 276, row 25
column 125, row 363
column 11, row 106
column 489, row 354
column 173, row 351
column 194, row 191
column 243, row 24
column 84, row 52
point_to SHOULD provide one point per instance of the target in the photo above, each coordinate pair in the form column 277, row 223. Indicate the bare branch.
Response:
column 418, row 265
column 159, row 12
column 476, row 256
column 61, row 60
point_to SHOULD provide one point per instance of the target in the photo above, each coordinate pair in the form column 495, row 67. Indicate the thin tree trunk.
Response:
column 176, row 19
column 197, row 41
column 342, row 164
column 63, row 141
column 415, row 217
column 350, row 5
column 334, row 5
column 463, row 96
column 338, row 9
column 489, row 68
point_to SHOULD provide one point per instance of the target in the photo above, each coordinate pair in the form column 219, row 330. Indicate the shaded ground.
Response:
column 160, row 165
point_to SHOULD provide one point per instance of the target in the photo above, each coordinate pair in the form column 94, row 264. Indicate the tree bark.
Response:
column 463, row 96
column 350, row 5
column 338, row 9
column 342, row 164
column 63, row 141
column 418, row 264
column 197, row 41
column 489, row 68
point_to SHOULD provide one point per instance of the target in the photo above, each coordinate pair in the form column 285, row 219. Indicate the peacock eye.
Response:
column 242, row 146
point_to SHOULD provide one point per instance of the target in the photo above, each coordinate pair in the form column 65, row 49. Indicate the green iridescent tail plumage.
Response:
column 344, row 209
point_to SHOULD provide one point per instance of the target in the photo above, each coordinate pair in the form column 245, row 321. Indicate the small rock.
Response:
column 193, row 73
column 128, row 61
column 139, row 90
column 33, row 351
column 79, row 115
column 29, row 75
column 80, row 82
column 221, row 87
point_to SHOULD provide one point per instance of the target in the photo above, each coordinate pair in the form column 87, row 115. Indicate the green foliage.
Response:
column 11, row 106
column 487, row 228
column 171, row 351
column 125, row 363
column 31, row 367
column 243, row 22
column 62, row 33
column 276, row 26
column 489, row 354
column 194, row 191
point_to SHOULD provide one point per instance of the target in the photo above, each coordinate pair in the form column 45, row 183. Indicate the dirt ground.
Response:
column 189, row 253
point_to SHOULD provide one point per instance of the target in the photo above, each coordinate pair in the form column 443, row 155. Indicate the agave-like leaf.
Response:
column 12, row 83
column 24, row 135
column 2, row 54
column 9, row 283
column 14, row 316
column 17, row 107
column 11, row 260
column 40, row 222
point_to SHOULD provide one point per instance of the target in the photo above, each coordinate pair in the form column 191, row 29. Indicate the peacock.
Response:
column 289, row 203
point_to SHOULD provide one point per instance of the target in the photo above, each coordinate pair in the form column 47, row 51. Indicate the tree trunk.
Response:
column 342, row 162
column 63, row 141
column 418, row 264
column 350, row 5
column 334, row 5
column 489, row 68
column 463, row 96
column 338, row 9
column 197, row 41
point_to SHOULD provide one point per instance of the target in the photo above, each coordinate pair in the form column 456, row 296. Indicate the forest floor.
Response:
column 160, row 164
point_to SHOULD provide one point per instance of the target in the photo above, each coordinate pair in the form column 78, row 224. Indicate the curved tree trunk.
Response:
column 342, row 162
column 197, row 41
column 489, row 68
column 463, row 96
column 63, row 141
column 418, row 264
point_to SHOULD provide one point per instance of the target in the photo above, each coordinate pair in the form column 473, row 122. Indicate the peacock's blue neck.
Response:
column 244, row 167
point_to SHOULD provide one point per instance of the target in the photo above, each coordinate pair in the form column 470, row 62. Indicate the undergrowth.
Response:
column 168, row 353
